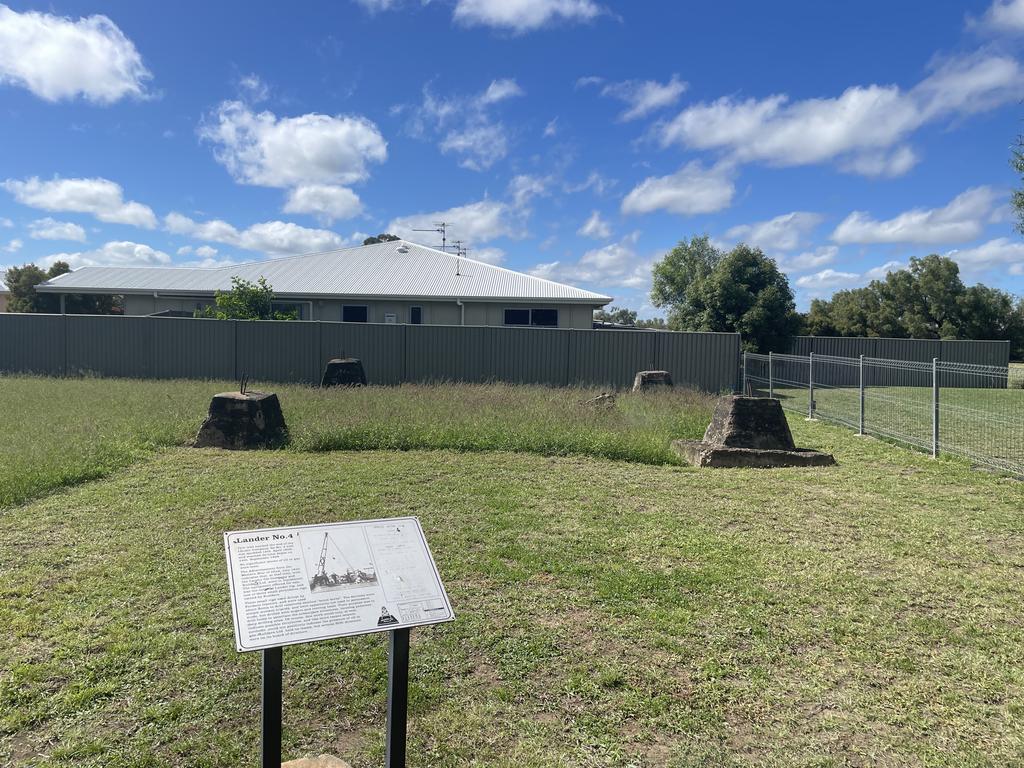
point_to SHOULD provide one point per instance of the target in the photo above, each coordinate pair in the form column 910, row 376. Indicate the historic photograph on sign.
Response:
column 336, row 559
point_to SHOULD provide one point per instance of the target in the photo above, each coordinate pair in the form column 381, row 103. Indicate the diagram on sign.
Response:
column 332, row 569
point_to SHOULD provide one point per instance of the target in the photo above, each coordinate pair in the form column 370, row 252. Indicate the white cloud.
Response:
column 5, row 222
column 478, row 222
column 265, row 150
column 595, row 227
column 645, row 96
column 999, row 253
column 962, row 219
column 595, row 181
column 818, row 257
column 122, row 253
column 879, row 272
column 1004, row 16
column 465, row 125
column 13, row 246
column 325, row 201
column 494, row 256
column 57, row 58
column 691, row 190
column 826, row 281
column 882, row 163
column 51, row 229
column 783, row 233
column 524, row 187
column 856, row 127
column 523, row 15
column 254, row 88
column 616, row 265
column 551, row 129
column 103, row 198
column 271, row 237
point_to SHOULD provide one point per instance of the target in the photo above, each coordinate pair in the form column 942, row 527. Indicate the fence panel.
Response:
column 920, row 350
column 32, row 344
column 186, row 349
column 706, row 361
column 610, row 358
column 528, row 355
column 110, row 346
column 380, row 347
column 274, row 350
column 445, row 353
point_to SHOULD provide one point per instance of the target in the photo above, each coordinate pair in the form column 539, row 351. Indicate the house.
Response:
column 5, row 296
column 391, row 282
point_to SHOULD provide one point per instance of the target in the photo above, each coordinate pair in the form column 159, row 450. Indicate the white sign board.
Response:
column 314, row 582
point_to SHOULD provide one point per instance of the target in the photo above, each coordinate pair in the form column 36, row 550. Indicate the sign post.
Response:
column 305, row 583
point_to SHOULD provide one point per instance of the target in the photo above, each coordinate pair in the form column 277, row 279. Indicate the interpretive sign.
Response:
column 303, row 583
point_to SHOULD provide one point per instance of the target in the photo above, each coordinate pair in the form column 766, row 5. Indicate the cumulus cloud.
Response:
column 783, row 233
column 13, row 246
column 325, row 201
column 645, row 96
column 1001, row 253
column 827, row 281
column 963, row 219
column 58, row 58
column 494, row 256
column 118, row 253
column 1003, row 16
column 50, row 229
column 465, row 125
column 859, row 127
column 691, row 190
column 595, row 227
column 616, row 265
column 473, row 223
column 524, row 187
column 271, row 237
column 265, row 150
column 103, row 198
column 812, row 259
column 524, row 15
column 879, row 272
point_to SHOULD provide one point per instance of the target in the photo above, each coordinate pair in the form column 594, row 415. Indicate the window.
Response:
column 354, row 313
column 416, row 315
column 517, row 317
column 545, row 318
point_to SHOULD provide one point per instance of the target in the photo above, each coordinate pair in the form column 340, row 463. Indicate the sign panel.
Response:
column 303, row 583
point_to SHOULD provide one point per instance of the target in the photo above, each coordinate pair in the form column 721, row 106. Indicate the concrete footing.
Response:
column 243, row 420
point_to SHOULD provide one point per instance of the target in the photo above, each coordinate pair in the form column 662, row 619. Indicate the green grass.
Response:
column 62, row 431
column 609, row 613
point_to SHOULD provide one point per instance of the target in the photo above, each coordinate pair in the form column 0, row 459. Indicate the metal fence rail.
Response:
column 163, row 348
column 973, row 411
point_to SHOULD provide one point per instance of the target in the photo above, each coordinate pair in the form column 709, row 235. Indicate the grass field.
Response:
column 610, row 613
column 62, row 431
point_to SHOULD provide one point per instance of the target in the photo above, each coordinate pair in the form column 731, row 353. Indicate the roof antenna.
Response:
column 442, row 228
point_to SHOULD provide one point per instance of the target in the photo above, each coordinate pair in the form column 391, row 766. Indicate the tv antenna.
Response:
column 442, row 228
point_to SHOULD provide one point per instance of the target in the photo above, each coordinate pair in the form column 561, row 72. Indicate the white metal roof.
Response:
column 384, row 270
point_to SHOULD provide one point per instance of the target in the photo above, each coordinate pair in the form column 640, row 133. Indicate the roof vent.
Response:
column 403, row 248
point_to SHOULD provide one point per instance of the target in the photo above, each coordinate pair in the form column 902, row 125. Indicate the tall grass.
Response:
column 58, row 432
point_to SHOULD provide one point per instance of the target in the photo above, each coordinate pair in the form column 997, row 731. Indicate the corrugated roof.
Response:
column 384, row 270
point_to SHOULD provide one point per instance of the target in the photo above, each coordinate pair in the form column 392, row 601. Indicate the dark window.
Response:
column 416, row 315
column 353, row 314
column 545, row 317
column 517, row 317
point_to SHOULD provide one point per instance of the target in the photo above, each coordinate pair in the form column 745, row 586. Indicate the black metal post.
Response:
column 270, row 745
column 398, row 698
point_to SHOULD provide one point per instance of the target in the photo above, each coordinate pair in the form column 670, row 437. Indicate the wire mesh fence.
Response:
column 973, row 411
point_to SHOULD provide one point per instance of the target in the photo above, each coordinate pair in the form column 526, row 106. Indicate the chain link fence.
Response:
column 973, row 411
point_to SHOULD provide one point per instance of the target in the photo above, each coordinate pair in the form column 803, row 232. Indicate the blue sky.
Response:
column 574, row 139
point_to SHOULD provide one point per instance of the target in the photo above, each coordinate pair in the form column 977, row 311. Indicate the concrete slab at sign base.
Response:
column 239, row 421
column 648, row 380
column 701, row 454
column 749, row 432
column 324, row 761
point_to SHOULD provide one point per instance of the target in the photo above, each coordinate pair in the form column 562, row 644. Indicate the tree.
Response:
column 245, row 301
column 620, row 316
column 740, row 291
column 22, row 282
column 384, row 237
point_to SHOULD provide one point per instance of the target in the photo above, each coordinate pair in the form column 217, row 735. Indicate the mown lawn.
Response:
column 609, row 613
column 58, row 432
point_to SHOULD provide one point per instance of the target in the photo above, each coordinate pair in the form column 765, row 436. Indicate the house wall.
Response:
column 3, row 302
column 434, row 312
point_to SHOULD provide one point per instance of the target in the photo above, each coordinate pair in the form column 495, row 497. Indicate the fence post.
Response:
column 810, row 385
column 771, row 377
column 743, row 386
column 861, row 432
column 935, row 407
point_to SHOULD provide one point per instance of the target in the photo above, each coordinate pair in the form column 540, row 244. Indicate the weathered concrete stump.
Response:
column 239, row 421
column 647, row 380
column 344, row 372
column 749, row 432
